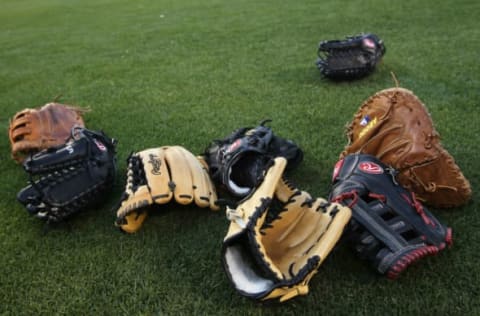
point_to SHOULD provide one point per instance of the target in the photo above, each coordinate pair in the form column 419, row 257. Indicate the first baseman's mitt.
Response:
column 395, row 126
column 68, row 178
column 158, row 175
column 278, row 238
column 389, row 227
column 32, row 130
column 239, row 160
column 351, row 58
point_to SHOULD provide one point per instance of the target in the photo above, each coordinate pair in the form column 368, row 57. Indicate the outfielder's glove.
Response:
column 389, row 227
column 395, row 126
column 71, row 177
column 351, row 58
column 32, row 130
column 278, row 238
column 158, row 175
column 238, row 161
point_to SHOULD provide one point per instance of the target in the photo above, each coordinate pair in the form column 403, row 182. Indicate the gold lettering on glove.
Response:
column 368, row 127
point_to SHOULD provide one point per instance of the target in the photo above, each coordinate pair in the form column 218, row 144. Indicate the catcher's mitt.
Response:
column 278, row 238
column 389, row 227
column 351, row 58
column 157, row 175
column 238, row 161
column 395, row 126
column 32, row 130
column 70, row 177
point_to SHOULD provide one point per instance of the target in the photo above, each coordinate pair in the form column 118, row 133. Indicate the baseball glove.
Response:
column 158, row 175
column 395, row 126
column 237, row 162
column 32, row 130
column 351, row 58
column 389, row 227
column 71, row 177
column 278, row 238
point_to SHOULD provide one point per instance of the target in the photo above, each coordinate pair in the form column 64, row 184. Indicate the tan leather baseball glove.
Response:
column 32, row 130
column 278, row 237
column 157, row 176
column 395, row 126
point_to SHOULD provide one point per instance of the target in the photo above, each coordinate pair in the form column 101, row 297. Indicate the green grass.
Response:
column 185, row 72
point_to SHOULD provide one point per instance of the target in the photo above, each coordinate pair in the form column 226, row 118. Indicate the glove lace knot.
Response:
column 353, row 195
column 419, row 208
column 432, row 187
column 428, row 140
column 378, row 197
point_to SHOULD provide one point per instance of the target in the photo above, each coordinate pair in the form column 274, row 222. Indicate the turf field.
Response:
column 185, row 72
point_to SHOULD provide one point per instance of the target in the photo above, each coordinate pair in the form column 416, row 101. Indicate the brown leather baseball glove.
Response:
column 395, row 126
column 32, row 130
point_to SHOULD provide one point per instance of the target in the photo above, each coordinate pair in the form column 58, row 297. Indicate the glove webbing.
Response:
column 345, row 62
column 394, row 234
column 51, row 210
column 72, row 206
column 136, row 173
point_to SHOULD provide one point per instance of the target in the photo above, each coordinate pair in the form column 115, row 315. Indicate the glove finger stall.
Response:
column 158, row 176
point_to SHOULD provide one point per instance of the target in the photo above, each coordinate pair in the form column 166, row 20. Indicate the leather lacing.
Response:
column 432, row 186
column 417, row 254
column 412, row 200
column 409, row 258
column 353, row 195
column 56, row 212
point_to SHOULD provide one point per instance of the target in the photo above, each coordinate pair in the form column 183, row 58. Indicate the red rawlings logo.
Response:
column 370, row 167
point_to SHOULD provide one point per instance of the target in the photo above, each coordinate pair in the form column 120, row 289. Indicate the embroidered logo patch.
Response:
column 156, row 164
column 370, row 167
column 368, row 126
column 365, row 120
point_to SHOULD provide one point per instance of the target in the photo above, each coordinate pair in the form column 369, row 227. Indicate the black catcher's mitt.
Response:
column 351, row 58
column 68, row 178
column 389, row 227
column 238, row 161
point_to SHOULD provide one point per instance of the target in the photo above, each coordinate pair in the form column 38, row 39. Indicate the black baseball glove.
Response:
column 389, row 227
column 239, row 160
column 68, row 178
column 351, row 58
